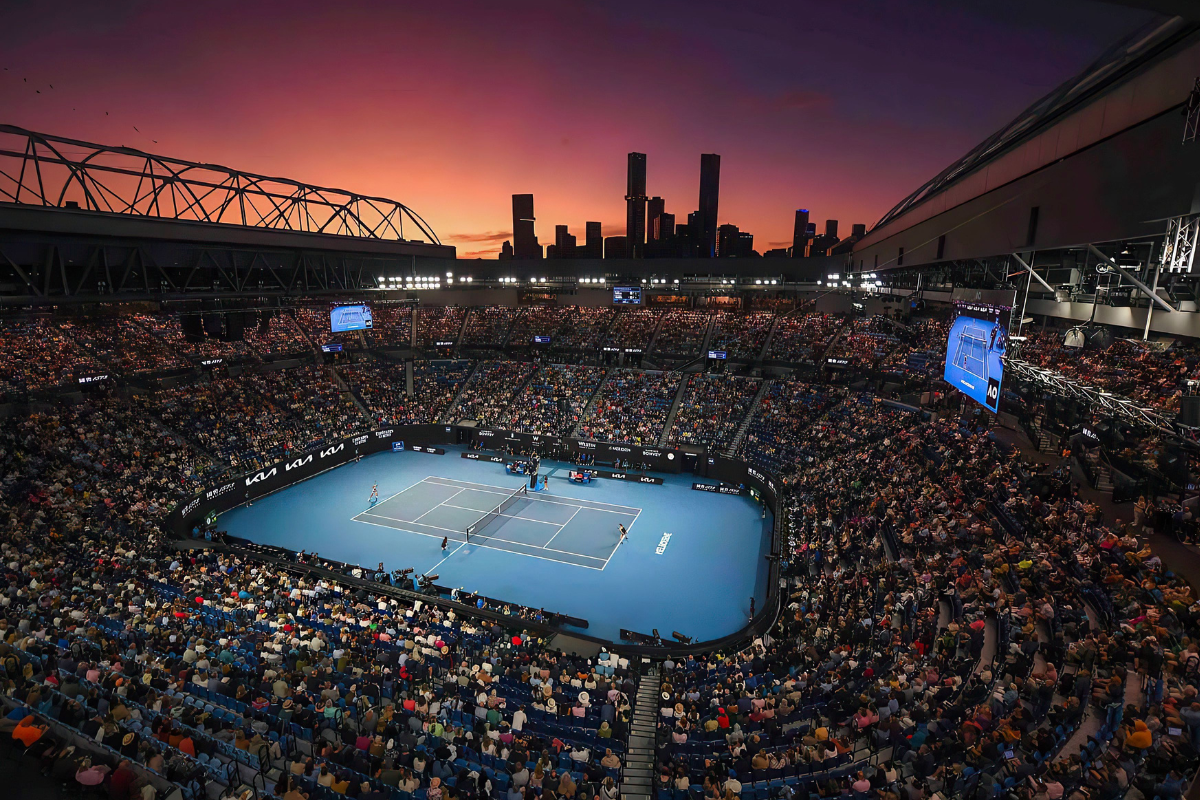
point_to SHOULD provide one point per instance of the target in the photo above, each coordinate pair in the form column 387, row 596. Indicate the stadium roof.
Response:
column 1132, row 53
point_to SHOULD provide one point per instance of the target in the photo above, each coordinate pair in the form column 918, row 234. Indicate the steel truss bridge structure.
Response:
column 1117, row 406
column 85, row 221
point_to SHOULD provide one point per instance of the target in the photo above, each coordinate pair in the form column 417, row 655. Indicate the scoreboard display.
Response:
column 627, row 295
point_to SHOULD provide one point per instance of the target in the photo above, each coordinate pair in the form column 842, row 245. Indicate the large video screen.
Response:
column 350, row 318
column 974, row 352
column 627, row 295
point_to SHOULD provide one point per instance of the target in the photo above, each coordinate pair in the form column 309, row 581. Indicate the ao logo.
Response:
column 993, row 392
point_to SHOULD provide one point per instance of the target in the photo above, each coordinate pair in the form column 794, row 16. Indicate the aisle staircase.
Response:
column 731, row 451
column 591, row 403
column 638, row 780
column 766, row 348
column 666, row 434
column 452, row 409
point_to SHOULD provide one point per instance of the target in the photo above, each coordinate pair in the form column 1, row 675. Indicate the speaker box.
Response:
column 235, row 326
column 213, row 324
column 192, row 327
column 1189, row 411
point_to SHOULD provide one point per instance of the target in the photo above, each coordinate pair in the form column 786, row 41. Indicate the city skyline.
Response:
column 843, row 108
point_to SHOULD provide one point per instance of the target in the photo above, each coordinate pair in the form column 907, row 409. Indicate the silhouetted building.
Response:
column 831, row 229
column 525, row 243
column 614, row 247
column 745, row 245
column 506, row 251
column 654, row 210
column 800, row 234
column 727, row 236
column 710, row 188
column 551, row 251
column 664, row 227
column 564, row 242
column 778, row 252
column 823, row 245
column 846, row 245
column 594, row 241
column 635, row 205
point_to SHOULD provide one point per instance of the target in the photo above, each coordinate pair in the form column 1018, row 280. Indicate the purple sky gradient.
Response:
column 839, row 107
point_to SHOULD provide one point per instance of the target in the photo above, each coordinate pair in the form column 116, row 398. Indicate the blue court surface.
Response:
column 690, row 563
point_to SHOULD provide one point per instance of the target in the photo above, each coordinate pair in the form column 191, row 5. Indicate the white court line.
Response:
column 485, row 547
column 581, row 503
column 614, row 550
column 452, row 530
column 546, row 546
column 439, row 505
column 443, row 561
column 406, row 522
column 507, row 516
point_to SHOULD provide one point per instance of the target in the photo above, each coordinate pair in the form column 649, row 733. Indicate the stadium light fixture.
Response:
column 602, row 280
column 677, row 280
column 449, row 274
column 757, row 282
column 774, row 281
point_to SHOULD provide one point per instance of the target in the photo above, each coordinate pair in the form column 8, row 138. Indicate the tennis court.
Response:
column 972, row 351
column 539, row 525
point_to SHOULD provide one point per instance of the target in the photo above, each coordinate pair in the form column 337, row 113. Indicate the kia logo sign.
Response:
column 261, row 476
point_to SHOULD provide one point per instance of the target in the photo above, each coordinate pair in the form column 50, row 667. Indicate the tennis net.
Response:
column 489, row 517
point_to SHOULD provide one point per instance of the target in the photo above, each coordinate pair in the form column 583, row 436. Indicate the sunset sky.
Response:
column 839, row 106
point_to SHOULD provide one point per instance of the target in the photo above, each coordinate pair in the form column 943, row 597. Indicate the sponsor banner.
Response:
column 629, row 476
column 433, row 451
column 837, row 362
column 252, row 485
column 484, row 457
column 734, row 472
column 718, row 488
column 92, row 378
column 657, row 459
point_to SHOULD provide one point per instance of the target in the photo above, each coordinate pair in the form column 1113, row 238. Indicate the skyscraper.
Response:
column 800, row 234
column 564, row 242
column 664, row 227
column 635, row 206
column 594, row 240
column 525, row 243
column 654, row 210
column 831, row 229
column 710, row 187
column 727, row 236
column 858, row 230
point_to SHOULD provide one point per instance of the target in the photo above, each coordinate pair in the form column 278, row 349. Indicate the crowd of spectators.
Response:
column 921, row 351
column 956, row 621
column 631, row 407
column 256, row 419
column 554, row 399
column 488, row 326
column 741, row 334
column 391, row 325
column 682, row 332
column 803, row 337
column 277, row 336
column 492, row 387
column 439, row 324
column 169, row 328
column 911, row 545
column 39, row 354
column 866, row 341
column 1149, row 373
column 383, row 388
column 126, row 346
column 201, row 671
column 632, row 328
column 779, row 428
column 712, row 410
